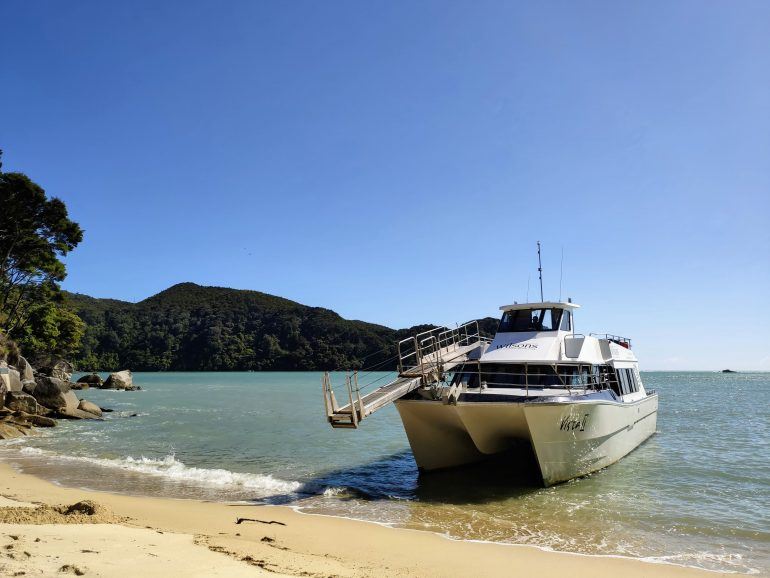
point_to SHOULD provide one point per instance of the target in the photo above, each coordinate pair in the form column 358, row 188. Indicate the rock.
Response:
column 60, row 370
column 10, row 430
column 54, row 393
column 78, row 385
column 91, row 379
column 5, row 379
column 25, row 369
column 120, row 380
column 90, row 407
column 42, row 421
column 18, row 401
column 14, row 380
column 75, row 413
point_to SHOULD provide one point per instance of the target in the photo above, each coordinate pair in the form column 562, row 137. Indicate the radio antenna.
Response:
column 540, row 272
column 561, row 271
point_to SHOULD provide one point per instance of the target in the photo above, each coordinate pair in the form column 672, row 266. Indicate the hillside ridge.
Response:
column 191, row 327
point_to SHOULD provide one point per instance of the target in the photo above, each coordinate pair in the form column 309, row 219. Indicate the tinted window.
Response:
column 566, row 324
column 530, row 320
column 632, row 380
column 503, row 374
column 542, row 375
column 623, row 379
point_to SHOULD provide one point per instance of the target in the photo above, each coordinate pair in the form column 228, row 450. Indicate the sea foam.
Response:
column 173, row 469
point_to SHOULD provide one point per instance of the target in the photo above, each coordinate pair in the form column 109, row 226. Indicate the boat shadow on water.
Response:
column 396, row 477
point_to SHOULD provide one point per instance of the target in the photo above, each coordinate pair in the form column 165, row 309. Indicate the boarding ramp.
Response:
column 423, row 360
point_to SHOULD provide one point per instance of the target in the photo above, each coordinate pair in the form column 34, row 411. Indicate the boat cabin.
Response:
column 547, row 316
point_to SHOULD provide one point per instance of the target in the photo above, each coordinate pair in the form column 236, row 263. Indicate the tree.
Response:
column 35, row 233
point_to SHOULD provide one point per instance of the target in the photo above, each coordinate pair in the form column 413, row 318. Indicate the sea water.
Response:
column 697, row 493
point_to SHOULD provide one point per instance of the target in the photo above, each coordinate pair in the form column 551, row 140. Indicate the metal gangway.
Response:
column 423, row 360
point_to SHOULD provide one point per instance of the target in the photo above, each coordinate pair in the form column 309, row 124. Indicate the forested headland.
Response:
column 193, row 328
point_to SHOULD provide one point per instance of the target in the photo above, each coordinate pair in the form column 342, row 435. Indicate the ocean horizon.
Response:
column 694, row 494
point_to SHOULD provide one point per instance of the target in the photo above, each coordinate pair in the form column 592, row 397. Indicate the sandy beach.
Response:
column 143, row 536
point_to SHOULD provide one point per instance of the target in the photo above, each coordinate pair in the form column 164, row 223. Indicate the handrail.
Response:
column 413, row 351
column 525, row 379
column 622, row 341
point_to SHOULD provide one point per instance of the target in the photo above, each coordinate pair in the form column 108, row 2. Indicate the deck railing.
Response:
column 561, row 380
column 423, row 351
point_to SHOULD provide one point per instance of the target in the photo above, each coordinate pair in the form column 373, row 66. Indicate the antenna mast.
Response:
column 540, row 272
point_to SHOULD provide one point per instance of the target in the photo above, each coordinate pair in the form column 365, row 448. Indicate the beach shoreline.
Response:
column 163, row 535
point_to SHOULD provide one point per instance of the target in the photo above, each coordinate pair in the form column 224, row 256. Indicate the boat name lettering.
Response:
column 519, row 346
column 572, row 423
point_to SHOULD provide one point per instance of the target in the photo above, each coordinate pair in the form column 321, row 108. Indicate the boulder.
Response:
column 91, row 379
column 14, row 380
column 60, row 370
column 42, row 421
column 54, row 393
column 29, row 387
column 75, row 413
column 90, row 407
column 25, row 369
column 18, row 401
column 78, row 385
column 5, row 379
column 120, row 380
column 10, row 430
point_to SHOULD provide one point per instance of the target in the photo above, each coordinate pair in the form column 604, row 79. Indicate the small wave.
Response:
column 332, row 492
column 171, row 468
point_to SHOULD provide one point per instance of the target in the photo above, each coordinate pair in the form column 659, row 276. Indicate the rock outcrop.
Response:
column 14, row 380
column 120, row 380
column 25, row 370
column 19, row 401
column 54, row 394
column 60, row 370
column 91, row 379
column 90, row 407
column 5, row 378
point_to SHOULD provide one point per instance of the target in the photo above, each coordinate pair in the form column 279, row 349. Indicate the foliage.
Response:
column 194, row 328
column 35, row 233
column 9, row 351
column 50, row 331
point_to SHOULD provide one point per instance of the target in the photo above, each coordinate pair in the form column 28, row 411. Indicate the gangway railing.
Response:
column 423, row 360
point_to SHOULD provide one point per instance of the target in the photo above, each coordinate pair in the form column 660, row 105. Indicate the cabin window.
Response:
column 566, row 321
column 574, row 375
column 503, row 375
column 542, row 376
column 623, row 380
column 530, row 320
column 632, row 381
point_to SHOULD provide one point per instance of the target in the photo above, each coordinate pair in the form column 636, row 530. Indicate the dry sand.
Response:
column 115, row 535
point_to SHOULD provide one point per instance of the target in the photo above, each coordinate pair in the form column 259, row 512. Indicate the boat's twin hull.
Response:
column 570, row 439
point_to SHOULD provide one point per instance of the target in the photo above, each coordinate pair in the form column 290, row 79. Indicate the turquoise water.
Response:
column 697, row 493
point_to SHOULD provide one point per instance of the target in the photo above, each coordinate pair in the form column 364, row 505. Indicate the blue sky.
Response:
column 398, row 161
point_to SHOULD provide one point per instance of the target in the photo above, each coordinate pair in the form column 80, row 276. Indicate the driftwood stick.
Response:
column 241, row 520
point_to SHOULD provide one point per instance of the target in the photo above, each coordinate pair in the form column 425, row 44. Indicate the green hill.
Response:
column 193, row 328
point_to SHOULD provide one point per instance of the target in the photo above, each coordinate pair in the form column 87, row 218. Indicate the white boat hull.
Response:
column 569, row 439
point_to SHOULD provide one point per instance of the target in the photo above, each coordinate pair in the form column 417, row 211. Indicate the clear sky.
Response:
column 397, row 161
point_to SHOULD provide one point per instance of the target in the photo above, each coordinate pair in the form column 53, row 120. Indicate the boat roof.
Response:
column 540, row 305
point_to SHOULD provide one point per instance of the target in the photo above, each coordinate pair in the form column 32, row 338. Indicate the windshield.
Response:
column 530, row 320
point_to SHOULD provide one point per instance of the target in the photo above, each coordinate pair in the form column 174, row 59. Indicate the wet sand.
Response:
column 144, row 536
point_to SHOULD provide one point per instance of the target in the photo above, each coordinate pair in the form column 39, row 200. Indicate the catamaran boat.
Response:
column 577, row 400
